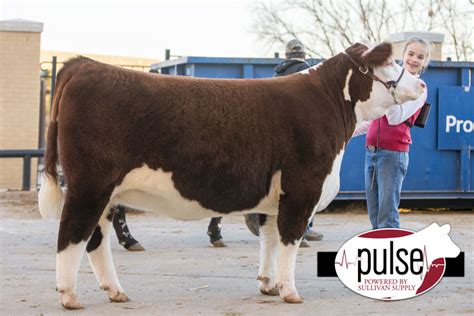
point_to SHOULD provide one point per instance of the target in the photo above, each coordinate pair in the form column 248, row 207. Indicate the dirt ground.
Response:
column 181, row 274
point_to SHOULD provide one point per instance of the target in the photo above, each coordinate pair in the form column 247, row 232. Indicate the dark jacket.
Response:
column 290, row 66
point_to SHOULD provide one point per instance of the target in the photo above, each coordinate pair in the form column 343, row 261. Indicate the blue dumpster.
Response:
column 216, row 67
column 441, row 163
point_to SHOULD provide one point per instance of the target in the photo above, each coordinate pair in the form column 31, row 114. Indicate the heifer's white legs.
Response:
column 100, row 258
column 268, row 251
column 67, row 267
column 285, row 272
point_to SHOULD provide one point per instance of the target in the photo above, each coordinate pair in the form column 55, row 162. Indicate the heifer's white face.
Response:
column 409, row 88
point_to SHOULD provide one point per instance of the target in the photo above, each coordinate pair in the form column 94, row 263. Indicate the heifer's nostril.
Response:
column 422, row 85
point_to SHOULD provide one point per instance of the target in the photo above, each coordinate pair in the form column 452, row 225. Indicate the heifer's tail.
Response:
column 50, row 197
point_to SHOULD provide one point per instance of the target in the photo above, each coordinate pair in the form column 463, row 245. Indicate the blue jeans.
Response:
column 384, row 174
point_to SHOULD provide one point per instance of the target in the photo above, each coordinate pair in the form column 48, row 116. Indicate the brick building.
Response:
column 19, row 94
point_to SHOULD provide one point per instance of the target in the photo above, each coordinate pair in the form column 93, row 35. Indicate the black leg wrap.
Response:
column 121, row 228
column 214, row 229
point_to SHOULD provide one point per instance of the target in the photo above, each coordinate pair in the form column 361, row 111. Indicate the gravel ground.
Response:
column 180, row 274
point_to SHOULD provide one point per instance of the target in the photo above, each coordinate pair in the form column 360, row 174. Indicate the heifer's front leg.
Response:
column 100, row 258
column 268, row 252
column 285, row 276
column 292, row 220
column 78, row 220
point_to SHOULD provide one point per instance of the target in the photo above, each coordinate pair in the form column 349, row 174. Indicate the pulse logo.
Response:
column 395, row 264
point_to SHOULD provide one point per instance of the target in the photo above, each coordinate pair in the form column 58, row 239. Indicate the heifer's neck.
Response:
column 340, row 84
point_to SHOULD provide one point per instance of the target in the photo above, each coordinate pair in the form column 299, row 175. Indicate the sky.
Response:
column 143, row 28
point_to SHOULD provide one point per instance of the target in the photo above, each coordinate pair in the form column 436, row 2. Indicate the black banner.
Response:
column 326, row 267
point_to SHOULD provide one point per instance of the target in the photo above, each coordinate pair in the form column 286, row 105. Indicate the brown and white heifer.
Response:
column 194, row 148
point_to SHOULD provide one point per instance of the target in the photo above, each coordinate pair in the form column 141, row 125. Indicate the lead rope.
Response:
column 376, row 152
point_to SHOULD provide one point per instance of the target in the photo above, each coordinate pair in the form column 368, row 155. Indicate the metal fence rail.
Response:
column 26, row 154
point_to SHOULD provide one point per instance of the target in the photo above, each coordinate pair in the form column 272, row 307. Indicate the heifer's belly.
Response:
column 331, row 184
column 153, row 190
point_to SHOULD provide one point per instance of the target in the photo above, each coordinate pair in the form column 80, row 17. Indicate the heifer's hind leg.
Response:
column 100, row 258
column 79, row 218
column 268, row 251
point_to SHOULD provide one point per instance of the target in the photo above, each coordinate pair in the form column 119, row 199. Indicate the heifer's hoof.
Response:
column 289, row 294
column 71, row 302
column 136, row 247
column 73, row 305
column 269, row 291
column 266, row 288
column 119, row 298
column 293, row 298
column 115, row 295
column 219, row 243
column 69, row 299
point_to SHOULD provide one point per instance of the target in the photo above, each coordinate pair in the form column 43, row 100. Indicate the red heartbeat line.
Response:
column 425, row 261
column 344, row 260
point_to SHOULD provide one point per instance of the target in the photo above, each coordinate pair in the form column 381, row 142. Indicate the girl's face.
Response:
column 415, row 57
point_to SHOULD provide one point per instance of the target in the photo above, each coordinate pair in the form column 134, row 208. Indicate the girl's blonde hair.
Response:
column 423, row 42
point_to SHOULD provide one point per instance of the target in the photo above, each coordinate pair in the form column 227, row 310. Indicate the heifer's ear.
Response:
column 445, row 229
column 378, row 55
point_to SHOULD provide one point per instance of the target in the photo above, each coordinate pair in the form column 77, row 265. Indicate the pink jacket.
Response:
column 391, row 137
column 394, row 134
